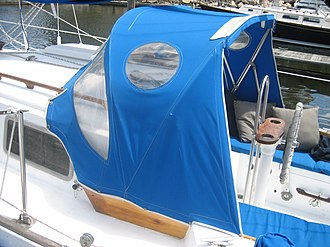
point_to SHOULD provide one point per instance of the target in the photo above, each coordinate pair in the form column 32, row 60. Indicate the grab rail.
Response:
column 317, row 197
column 252, row 169
column 31, row 84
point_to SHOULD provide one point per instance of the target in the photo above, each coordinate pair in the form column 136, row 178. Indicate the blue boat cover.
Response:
column 273, row 240
column 169, row 149
column 257, row 221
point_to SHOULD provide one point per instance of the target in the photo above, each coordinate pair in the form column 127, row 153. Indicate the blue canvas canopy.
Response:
column 146, row 119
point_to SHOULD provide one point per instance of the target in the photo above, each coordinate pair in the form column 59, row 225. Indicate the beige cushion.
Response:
column 308, row 135
column 245, row 116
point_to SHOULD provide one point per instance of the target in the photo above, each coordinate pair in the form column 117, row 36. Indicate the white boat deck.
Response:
column 40, row 67
column 60, row 213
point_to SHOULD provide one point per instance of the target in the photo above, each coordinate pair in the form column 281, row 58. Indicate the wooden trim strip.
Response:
column 130, row 212
column 249, row 237
column 30, row 84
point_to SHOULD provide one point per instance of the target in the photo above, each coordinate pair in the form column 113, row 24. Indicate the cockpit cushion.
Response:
column 308, row 135
column 300, row 159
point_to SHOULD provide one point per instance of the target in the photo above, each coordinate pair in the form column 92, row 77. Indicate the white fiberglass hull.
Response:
column 61, row 214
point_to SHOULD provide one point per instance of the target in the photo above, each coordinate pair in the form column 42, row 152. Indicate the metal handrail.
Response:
column 252, row 170
column 24, row 218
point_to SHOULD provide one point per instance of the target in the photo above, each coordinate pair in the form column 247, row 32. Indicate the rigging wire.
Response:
column 82, row 32
column 7, row 158
column 16, row 25
column 25, row 37
column 98, row 38
column 31, row 14
column 7, row 38
column 75, row 18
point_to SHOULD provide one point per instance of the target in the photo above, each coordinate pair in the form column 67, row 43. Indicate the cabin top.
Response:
column 146, row 119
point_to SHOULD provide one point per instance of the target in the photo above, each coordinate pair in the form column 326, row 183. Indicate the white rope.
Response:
column 8, row 38
column 32, row 13
column 99, row 39
column 24, row 33
column 76, row 20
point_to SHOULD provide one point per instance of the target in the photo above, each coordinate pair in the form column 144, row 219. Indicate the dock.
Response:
column 304, row 63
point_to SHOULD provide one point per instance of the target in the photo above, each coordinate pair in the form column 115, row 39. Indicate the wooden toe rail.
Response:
column 29, row 83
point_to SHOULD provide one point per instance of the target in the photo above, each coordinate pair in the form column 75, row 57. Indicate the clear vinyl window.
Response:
column 90, row 104
column 242, row 41
column 152, row 65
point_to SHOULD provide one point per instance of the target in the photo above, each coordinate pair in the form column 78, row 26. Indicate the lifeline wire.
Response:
column 7, row 34
column 7, row 159
column 75, row 18
column 26, row 41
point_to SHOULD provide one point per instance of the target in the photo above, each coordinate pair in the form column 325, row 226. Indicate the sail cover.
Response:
column 146, row 119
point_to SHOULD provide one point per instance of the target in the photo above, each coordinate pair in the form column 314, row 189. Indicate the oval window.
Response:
column 241, row 42
column 152, row 65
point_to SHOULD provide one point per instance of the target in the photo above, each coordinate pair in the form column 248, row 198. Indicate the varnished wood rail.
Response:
column 29, row 83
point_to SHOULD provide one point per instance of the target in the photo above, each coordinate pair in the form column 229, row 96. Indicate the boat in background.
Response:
column 312, row 6
column 137, row 146
column 305, row 24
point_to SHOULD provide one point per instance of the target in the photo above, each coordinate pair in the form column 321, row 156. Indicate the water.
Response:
column 99, row 20
column 309, row 92
column 94, row 19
